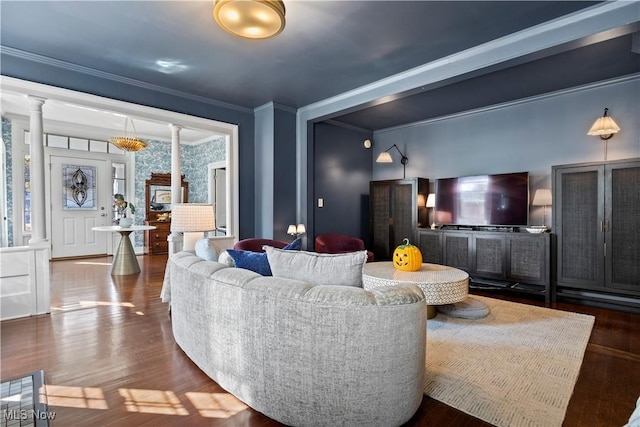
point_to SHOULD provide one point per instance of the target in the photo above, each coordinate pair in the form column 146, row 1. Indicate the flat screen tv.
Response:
column 485, row 200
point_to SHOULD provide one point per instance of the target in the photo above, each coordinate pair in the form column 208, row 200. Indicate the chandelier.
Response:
column 128, row 144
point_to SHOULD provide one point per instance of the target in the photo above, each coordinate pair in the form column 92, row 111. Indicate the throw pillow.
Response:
column 254, row 261
column 225, row 258
column 206, row 249
column 318, row 269
column 296, row 245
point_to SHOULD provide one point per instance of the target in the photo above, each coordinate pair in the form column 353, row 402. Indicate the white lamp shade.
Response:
column 291, row 229
column 301, row 229
column 384, row 157
column 542, row 197
column 431, row 200
column 604, row 126
column 190, row 217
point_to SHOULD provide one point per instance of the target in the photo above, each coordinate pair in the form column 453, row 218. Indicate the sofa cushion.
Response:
column 225, row 258
column 257, row 261
column 206, row 249
column 318, row 269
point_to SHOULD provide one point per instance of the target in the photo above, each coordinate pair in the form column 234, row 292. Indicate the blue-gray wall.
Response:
column 343, row 169
column 526, row 136
column 39, row 72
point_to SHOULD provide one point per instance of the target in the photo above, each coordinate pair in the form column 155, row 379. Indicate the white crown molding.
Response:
column 41, row 59
column 509, row 104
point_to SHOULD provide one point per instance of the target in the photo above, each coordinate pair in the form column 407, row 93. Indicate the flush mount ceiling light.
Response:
column 128, row 144
column 251, row 19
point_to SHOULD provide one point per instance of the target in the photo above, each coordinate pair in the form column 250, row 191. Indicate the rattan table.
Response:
column 439, row 283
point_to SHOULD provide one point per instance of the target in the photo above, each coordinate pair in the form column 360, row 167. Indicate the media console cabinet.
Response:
column 517, row 261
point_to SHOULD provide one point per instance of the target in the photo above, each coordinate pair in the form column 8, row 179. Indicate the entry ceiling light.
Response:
column 128, row 144
column 251, row 19
column 604, row 127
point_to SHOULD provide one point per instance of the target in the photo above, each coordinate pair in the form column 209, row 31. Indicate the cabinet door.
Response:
column 578, row 221
column 403, row 212
column 430, row 245
column 528, row 258
column 488, row 255
column 380, row 200
column 457, row 250
column 622, row 226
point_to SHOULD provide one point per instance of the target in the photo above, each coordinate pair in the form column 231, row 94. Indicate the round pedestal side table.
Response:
column 439, row 283
column 124, row 259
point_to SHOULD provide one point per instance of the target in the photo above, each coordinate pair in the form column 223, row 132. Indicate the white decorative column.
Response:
column 39, row 252
column 175, row 239
column 36, row 132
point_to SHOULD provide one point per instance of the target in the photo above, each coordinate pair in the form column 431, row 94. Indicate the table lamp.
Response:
column 192, row 219
column 431, row 203
column 542, row 197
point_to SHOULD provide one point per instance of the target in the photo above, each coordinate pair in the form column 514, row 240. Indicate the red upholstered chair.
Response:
column 256, row 244
column 337, row 243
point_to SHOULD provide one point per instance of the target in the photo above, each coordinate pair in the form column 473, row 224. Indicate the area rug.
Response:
column 515, row 367
column 23, row 403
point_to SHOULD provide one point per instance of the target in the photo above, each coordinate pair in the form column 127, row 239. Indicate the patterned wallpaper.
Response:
column 6, row 139
column 156, row 158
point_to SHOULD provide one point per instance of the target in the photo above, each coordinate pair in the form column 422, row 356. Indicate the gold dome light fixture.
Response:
column 128, row 144
column 251, row 19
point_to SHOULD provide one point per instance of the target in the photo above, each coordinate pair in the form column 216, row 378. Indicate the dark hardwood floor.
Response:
column 110, row 359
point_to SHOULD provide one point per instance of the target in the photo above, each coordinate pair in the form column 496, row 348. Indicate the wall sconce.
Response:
column 431, row 203
column 296, row 230
column 385, row 157
column 542, row 197
column 604, row 127
column 367, row 143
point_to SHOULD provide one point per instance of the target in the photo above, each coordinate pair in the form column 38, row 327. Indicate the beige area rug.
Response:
column 515, row 367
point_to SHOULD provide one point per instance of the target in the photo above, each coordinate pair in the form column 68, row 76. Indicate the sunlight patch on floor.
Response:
column 152, row 401
column 216, row 405
column 92, row 263
column 108, row 303
column 75, row 397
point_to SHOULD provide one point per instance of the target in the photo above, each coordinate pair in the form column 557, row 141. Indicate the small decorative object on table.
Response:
column 407, row 257
column 122, row 205
column 536, row 229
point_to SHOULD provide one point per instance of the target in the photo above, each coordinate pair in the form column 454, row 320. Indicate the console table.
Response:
column 124, row 258
column 439, row 283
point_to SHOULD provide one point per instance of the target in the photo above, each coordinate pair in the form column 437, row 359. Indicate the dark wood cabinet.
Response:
column 158, row 211
column 597, row 224
column 509, row 260
column 156, row 240
column 394, row 213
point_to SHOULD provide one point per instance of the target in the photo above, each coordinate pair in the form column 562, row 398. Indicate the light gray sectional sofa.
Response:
column 303, row 355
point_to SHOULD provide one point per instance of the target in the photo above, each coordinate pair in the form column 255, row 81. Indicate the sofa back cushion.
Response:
column 318, row 269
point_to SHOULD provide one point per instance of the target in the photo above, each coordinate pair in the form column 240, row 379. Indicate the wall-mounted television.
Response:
column 484, row 200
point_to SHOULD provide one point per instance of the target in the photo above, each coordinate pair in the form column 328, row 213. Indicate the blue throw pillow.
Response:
column 254, row 261
column 296, row 245
column 257, row 261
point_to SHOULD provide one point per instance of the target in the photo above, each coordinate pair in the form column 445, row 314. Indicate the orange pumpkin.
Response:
column 407, row 257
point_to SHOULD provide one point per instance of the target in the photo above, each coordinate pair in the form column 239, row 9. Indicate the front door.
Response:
column 80, row 199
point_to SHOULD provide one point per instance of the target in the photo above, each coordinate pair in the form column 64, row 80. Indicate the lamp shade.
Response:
column 301, row 229
column 542, row 197
column 604, row 126
column 191, row 217
column 384, row 157
column 431, row 200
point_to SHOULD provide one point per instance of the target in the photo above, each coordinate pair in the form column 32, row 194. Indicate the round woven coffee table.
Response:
column 439, row 283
